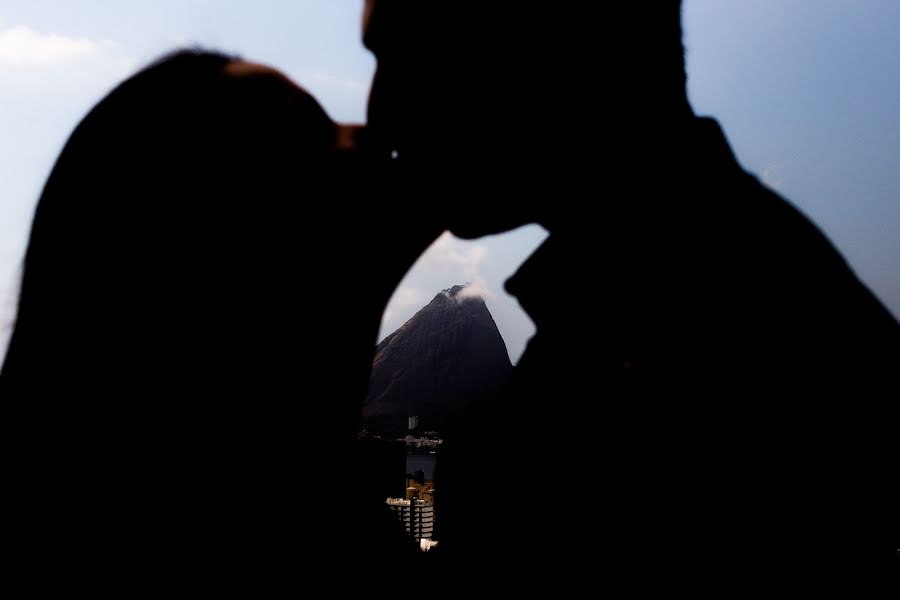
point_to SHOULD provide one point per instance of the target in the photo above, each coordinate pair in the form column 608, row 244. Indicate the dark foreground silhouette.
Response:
column 706, row 405
column 182, row 390
column 707, row 402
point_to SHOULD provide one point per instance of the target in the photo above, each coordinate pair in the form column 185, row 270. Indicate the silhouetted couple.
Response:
column 706, row 405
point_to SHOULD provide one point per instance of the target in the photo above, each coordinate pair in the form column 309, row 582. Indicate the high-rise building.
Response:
column 416, row 515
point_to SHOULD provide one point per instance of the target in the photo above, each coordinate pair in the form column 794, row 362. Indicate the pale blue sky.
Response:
column 808, row 92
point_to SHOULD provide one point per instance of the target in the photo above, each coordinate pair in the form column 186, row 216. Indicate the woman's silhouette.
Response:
column 183, row 384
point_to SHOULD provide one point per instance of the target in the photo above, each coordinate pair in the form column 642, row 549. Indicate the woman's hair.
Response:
column 144, row 235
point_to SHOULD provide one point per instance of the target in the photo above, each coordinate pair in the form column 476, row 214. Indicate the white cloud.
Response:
column 460, row 261
column 449, row 254
column 477, row 288
column 22, row 46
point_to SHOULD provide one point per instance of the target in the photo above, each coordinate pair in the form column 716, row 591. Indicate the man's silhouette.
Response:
column 705, row 405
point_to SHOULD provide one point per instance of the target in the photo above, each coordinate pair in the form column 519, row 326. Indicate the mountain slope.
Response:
column 446, row 356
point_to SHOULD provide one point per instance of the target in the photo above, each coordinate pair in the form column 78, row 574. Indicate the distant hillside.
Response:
column 447, row 355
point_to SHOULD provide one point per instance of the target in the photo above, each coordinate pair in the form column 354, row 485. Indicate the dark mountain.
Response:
column 446, row 356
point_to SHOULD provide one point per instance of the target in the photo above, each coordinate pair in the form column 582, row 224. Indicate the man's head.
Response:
column 507, row 91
